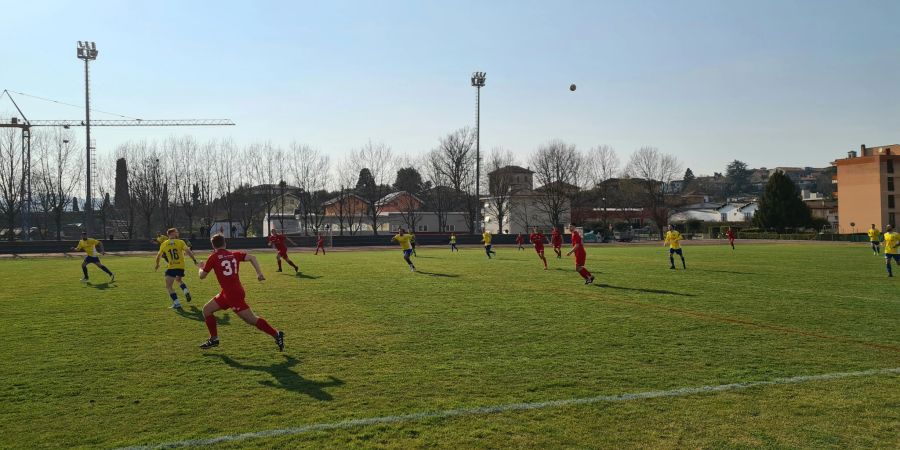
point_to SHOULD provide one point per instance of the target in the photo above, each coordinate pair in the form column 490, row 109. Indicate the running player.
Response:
column 453, row 243
column 729, row 233
column 874, row 236
column 486, row 239
column 404, row 240
column 90, row 248
column 673, row 240
column 537, row 240
column 320, row 244
column 412, row 243
column 226, row 264
column 580, row 255
column 891, row 247
column 556, row 240
column 277, row 239
column 520, row 241
column 174, row 250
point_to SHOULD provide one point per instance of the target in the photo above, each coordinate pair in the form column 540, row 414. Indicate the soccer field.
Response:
column 468, row 352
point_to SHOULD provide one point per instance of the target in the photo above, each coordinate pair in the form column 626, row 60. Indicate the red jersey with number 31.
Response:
column 225, row 264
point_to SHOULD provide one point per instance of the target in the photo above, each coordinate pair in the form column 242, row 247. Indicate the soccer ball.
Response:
column 572, row 87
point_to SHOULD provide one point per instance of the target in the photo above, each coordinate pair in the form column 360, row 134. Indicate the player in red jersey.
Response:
column 277, row 239
column 320, row 244
column 556, row 240
column 537, row 239
column 520, row 240
column 580, row 255
column 226, row 265
column 729, row 233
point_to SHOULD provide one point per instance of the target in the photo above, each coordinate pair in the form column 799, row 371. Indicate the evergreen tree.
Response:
column 689, row 176
column 738, row 177
column 410, row 180
column 781, row 206
column 121, row 198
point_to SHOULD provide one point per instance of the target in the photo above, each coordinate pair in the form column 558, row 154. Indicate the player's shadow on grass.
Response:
column 101, row 286
column 435, row 274
column 724, row 271
column 197, row 314
column 647, row 291
column 301, row 275
column 285, row 378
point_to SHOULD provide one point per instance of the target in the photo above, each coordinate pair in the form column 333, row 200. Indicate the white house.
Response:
column 742, row 212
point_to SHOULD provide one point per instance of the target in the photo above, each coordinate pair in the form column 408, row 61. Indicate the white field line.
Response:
column 479, row 411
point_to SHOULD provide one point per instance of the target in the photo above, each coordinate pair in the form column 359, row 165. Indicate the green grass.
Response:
column 103, row 366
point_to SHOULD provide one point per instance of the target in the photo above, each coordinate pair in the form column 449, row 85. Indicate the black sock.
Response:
column 103, row 268
column 84, row 270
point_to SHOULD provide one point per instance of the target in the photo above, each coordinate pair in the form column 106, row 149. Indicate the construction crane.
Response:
column 26, row 125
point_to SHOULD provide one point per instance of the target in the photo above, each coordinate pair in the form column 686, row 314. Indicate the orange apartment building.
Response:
column 866, row 188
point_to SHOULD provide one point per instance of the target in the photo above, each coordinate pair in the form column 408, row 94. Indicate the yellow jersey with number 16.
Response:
column 173, row 249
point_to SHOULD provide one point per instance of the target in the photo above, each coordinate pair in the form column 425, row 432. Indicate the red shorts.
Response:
column 540, row 249
column 282, row 252
column 580, row 258
column 557, row 245
column 234, row 300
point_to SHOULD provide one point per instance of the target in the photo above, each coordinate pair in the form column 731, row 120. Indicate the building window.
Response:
column 423, row 228
column 891, row 184
column 748, row 216
column 890, row 166
column 891, row 201
column 724, row 217
column 450, row 227
column 892, row 219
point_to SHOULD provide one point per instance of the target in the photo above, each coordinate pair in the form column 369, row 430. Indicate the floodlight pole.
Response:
column 478, row 82
column 88, row 52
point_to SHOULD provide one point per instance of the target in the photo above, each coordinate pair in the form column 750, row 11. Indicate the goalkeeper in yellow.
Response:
column 174, row 250
column 93, row 249
column 891, row 248
column 673, row 240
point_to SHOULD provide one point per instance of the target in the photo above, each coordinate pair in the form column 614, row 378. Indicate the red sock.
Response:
column 211, row 324
column 265, row 327
column 584, row 273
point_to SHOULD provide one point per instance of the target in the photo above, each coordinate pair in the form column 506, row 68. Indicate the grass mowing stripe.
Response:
column 484, row 410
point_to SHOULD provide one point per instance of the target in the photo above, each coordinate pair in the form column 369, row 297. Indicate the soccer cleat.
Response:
column 176, row 305
column 187, row 296
column 279, row 270
column 112, row 278
column 296, row 269
column 412, row 269
column 84, row 280
column 210, row 343
column 279, row 341
column 589, row 280
column 672, row 267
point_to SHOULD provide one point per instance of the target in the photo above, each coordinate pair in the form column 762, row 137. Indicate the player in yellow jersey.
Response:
column 673, row 240
column 412, row 242
column 486, row 239
column 453, row 243
column 404, row 240
column 174, row 250
column 93, row 249
column 891, row 248
column 158, row 240
column 874, row 237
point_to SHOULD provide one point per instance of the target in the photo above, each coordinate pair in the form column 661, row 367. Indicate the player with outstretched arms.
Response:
column 277, row 240
column 404, row 240
column 226, row 265
column 93, row 249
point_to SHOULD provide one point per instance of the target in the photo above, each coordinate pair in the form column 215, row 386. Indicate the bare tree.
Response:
column 310, row 171
column 187, row 190
column 106, row 188
column 225, row 180
column 602, row 163
column 12, row 178
column 376, row 164
column 439, row 196
column 654, row 170
column 58, row 173
column 455, row 159
column 146, row 182
column 558, row 169
column 500, row 185
column 206, row 187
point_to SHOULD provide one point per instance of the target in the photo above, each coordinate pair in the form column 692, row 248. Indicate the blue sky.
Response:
column 769, row 82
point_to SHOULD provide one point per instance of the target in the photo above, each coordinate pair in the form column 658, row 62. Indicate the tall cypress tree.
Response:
column 781, row 206
column 122, row 197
